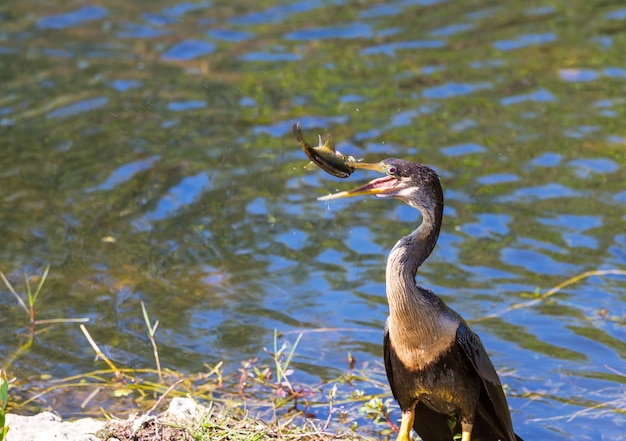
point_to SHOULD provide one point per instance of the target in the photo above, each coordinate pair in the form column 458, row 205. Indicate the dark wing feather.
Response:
column 492, row 409
column 387, row 358
column 433, row 426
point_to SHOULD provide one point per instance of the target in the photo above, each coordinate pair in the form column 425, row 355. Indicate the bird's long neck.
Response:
column 420, row 325
column 404, row 260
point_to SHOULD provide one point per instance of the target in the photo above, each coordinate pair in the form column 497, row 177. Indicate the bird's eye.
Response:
column 391, row 170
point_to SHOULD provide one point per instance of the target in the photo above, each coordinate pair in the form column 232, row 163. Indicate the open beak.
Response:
column 379, row 186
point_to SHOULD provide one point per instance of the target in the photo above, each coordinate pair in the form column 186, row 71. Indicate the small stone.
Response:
column 185, row 409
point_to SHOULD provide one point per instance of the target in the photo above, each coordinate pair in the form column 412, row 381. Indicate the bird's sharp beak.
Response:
column 379, row 186
column 366, row 166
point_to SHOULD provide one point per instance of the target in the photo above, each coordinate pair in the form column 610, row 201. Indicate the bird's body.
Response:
column 438, row 369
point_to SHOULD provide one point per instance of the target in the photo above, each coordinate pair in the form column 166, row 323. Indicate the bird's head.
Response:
column 413, row 183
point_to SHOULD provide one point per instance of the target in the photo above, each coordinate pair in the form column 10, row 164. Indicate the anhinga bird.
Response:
column 438, row 369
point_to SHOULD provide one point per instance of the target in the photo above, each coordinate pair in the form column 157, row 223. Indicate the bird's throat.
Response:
column 421, row 327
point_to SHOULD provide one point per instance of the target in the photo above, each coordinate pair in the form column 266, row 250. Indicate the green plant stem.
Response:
column 151, row 333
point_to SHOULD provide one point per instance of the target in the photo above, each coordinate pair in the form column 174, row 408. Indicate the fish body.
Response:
column 325, row 156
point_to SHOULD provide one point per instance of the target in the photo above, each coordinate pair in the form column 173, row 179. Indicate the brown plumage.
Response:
column 438, row 369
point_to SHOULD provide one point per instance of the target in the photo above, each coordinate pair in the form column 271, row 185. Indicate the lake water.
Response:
column 147, row 155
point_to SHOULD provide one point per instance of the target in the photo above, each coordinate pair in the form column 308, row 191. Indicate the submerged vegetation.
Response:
column 261, row 399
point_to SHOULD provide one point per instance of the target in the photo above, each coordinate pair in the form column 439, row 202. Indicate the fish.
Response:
column 325, row 156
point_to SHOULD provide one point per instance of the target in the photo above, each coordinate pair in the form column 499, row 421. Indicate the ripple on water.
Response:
column 540, row 10
column 79, row 107
column 551, row 190
column 464, row 124
column 188, row 50
column 536, row 262
column 614, row 139
column 283, row 128
column 580, row 131
column 257, row 206
column 585, row 75
column 499, row 178
column 276, row 14
column 395, row 8
column 351, row 98
column 495, row 62
column 539, row 95
column 453, row 29
column 294, row 240
column 124, row 85
column 578, row 74
column 229, row 35
column 586, row 167
column 349, row 31
column 140, row 30
column 453, row 89
column 125, row 172
column 571, row 227
column 179, row 9
column 73, row 18
column 547, row 160
column 185, row 193
column 621, row 197
column 269, row 57
column 391, row 48
column 381, row 10
column 619, row 14
column 181, row 106
column 59, row 53
column 524, row 41
column 158, row 19
column 463, row 149
column 489, row 225
column 604, row 42
column 573, row 222
column 360, row 240
column 614, row 72
column 406, row 117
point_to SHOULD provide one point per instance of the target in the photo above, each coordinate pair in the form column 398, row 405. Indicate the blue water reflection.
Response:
column 489, row 225
column 127, row 171
column 80, row 107
column 149, row 156
column 501, row 178
column 547, row 191
column 619, row 14
column 283, row 128
column 125, row 85
column 185, row 193
column 453, row 89
column 452, row 30
column 354, row 30
column 524, row 41
column 547, row 160
column 536, row 262
column 73, row 18
column 188, row 50
column 540, row 95
column 229, row 35
column 140, row 30
column 391, row 48
column 584, row 168
column 181, row 106
column 280, row 13
column 463, row 149
column 269, row 57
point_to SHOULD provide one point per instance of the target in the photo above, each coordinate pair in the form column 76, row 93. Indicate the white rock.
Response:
column 185, row 409
column 47, row 426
